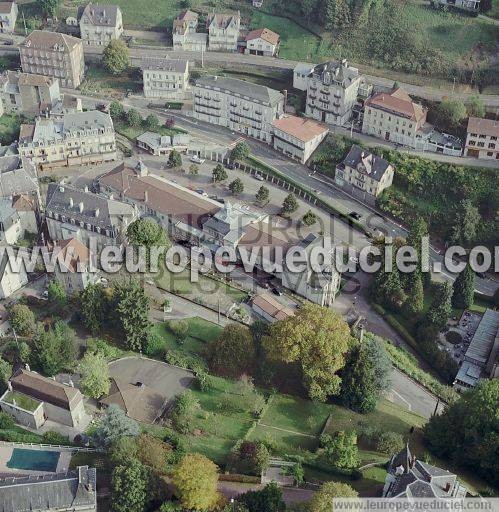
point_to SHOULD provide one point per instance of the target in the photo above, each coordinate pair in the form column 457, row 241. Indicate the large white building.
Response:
column 165, row 78
column 298, row 137
column 241, row 106
column 223, row 31
column 100, row 24
column 77, row 138
column 394, row 117
column 332, row 90
column 185, row 34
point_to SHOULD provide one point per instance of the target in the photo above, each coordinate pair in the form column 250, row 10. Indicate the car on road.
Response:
column 277, row 291
column 355, row 215
column 201, row 192
column 197, row 160
column 258, row 177
column 230, row 166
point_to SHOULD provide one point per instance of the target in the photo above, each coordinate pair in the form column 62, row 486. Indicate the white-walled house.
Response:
column 263, row 42
column 11, row 278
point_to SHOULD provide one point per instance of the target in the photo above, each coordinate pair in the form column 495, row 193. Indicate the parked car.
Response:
column 201, row 192
column 197, row 160
column 355, row 215
column 230, row 166
column 258, row 177
column 277, row 291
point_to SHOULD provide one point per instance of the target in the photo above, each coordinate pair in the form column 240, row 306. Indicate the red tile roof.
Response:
column 398, row 102
column 483, row 126
column 265, row 34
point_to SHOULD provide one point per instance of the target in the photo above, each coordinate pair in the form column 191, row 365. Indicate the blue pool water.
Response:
column 34, row 460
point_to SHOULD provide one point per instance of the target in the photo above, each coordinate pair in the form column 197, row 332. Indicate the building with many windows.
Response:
column 54, row 54
column 185, row 34
column 393, row 116
column 78, row 138
column 332, row 90
column 165, row 78
column 298, row 137
column 223, row 31
column 241, row 106
column 482, row 138
column 363, row 174
column 100, row 24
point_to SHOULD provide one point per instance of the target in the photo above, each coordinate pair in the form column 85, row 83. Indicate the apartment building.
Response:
column 223, row 31
column 100, row 24
column 332, row 90
column 393, row 116
column 363, row 174
column 54, row 54
column 263, row 42
column 298, row 137
column 66, row 491
column 482, row 138
column 8, row 16
column 165, row 78
column 76, row 139
column 185, row 34
column 27, row 93
column 75, row 213
column 241, row 106
column 301, row 72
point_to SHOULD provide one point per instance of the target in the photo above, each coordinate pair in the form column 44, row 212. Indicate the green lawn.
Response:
column 23, row 401
column 132, row 132
column 201, row 332
column 99, row 80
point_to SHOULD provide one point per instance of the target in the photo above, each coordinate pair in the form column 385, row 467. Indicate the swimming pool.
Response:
column 34, row 460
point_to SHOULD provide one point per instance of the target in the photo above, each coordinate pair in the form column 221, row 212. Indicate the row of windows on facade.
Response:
column 87, row 226
column 375, row 114
column 482, row 136
column 481, row 144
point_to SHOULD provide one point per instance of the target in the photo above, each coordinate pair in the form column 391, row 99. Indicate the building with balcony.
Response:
column 394, row 117
column 332, row 90
column 8, row 16
column 482, row 138
column 223, row 31
column 241, row 106
column 298, row 137
column 76, row 139
column 165, row 78
column 53, row 54
column 100, row 24
column 363, row 174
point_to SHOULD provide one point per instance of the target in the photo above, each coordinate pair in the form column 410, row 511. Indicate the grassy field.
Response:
column 99, row 80
column 9, row 128
column 132, row 132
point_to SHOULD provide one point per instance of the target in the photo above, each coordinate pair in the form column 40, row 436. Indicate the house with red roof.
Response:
column 262, row 41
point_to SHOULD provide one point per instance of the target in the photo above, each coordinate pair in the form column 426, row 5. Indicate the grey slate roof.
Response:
column 62, row 491
column 336, row 71
column 104, row 15
column 483, row 340
column 59, row 198
column 17, row 176
column 235, row 86
column 375, row 166
column 89, row 120
column 166, row 64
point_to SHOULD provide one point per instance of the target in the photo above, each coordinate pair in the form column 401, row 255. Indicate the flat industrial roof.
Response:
column 483, row 339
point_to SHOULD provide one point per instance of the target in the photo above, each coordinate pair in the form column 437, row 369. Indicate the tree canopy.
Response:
column 116, row 57
column 322, row 500
column 22, row 320
column 316, row 338
column 463, row 289
column 219, row 173
column 94, row 373
column 115, row 424
column 268, row 499
column 240, row 151
column 54, row 349
column 129, row 487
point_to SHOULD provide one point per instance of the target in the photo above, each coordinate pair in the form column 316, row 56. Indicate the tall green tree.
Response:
column 268, row 499
column 240, row 151
column 464, row 289
column 129, row 487
column 236, row 186
column 415, row 293
column 441, row 306
column 5, row 373
column 476, row 107
column 450, row 113
column 366, row 375
column 175, row 159
column 232, row 353
column 57, row 293
column 262, row 196
column 54, row 349
column 131, row 313
column 466, row 222
column 317, row 339
column 116, row 110
column 94, row 373
column 341, row 449
column 147, row 233
column 289, row 205
column 308, row 8
column 93, row 307
column 219, row 173
column 152, row 122
column 195, row 480
column 133, row 118
column 116, row 57
column 467, row 431
column 22, row 320
column 322, row 500
column 49, row 7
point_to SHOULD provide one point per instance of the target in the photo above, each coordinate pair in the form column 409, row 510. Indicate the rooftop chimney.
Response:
column 81, row 207
column 70, row 201
column 146, row 196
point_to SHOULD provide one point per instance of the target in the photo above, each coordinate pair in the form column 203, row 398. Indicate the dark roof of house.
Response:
column 100, row 15
column 336, row 71
column 17, row 176
column 399, row 103
column 222, row 20
column 97, row 210
column 366, row 163
column 60, row 491
column 45, row 40
column 44, row 389
column 166, row 64
column 242, row 88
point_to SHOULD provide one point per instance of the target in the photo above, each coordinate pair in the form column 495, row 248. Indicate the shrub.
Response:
column 155, row 345
column 180, row 328
column 453, row 337
column 389, row 442
column 6, row 422
column 51, row 437
column 205, row 381
column 189, row 361
column 98, row 345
